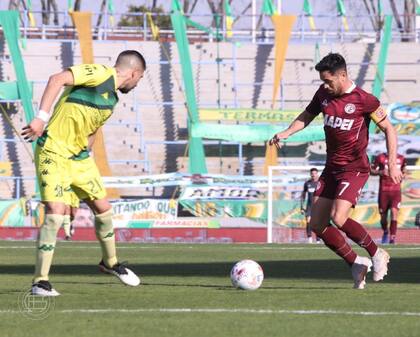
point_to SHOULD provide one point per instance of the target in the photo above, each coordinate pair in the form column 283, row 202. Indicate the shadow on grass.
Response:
column 402, row 270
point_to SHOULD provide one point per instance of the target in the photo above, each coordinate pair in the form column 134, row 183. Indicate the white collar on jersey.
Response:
column 351, row 88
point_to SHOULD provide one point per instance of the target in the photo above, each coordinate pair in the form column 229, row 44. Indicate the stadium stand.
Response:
column 148, row 131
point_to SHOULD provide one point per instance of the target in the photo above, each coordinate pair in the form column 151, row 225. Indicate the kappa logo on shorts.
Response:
column 47, row 161
column 44, row 184
column 44, row 172
column 349, row 108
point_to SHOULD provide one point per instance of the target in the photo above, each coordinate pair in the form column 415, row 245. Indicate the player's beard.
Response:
column 334, row 93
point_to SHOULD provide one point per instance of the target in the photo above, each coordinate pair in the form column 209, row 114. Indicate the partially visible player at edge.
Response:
column 389, row 197
column 347, row 111
column 62, row 160
column 309, row 188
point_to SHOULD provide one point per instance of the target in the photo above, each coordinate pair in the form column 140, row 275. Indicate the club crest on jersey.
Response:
column 338, row 122
column 349, row 108
column 324, row 102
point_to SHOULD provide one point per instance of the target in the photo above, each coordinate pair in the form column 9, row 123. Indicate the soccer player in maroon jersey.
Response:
column 309, row 188
column 389, row 197
column 347, row 111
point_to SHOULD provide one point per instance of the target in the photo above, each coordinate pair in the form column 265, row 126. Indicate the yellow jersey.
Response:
column 81, row 110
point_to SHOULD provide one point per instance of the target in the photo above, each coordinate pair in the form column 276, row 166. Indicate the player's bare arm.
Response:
column 91, row 140
column 55, row 83
column 394, row 171
column 301, row 121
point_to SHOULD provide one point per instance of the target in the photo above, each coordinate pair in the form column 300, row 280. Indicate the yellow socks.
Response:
column 105, row 234
column 45, row 245
column 66, row 224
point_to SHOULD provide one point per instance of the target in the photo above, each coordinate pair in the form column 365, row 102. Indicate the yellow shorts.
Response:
column 74, row 200
column 58, row 177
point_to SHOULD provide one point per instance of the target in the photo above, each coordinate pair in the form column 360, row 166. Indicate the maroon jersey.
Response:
column 385, row 182
column 346, row 126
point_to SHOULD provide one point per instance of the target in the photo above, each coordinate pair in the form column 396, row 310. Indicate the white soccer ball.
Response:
column 247, row 275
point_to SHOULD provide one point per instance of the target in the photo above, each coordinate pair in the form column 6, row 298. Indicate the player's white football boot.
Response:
column 125, row 275
column 380, row 264
column 44, row 288
column 359, row 270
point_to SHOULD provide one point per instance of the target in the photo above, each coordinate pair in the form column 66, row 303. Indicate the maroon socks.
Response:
column 359, row 235
column 393, row 228
column 384, row 225
column 334, row 240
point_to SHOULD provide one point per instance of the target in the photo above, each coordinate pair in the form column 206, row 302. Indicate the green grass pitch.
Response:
column 186, row 291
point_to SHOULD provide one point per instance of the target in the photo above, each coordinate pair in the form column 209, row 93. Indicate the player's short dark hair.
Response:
column 132, row 53
column 313, row 169
column 332, row 62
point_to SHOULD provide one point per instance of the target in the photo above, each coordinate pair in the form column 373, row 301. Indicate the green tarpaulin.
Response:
column 11, row 213
column 197, row 162
column 9, row 22
column 378, row 83
column 9, row 91
column 379, row 80
column 254, row 133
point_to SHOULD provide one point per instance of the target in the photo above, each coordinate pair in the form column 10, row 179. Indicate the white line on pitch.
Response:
column 222, row 310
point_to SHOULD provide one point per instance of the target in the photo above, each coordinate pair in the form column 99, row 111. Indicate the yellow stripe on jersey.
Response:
column 378, row 115
column 81, row 110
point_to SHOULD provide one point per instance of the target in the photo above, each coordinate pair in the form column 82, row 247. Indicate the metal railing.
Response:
column 329, row 28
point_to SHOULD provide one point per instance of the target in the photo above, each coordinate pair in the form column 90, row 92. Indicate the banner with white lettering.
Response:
column 129, row 211
column 220, row 192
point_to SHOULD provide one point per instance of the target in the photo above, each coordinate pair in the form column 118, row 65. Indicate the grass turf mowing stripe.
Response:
column 221, row 310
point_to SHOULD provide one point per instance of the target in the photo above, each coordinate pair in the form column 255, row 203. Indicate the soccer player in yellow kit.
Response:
column 62, row 160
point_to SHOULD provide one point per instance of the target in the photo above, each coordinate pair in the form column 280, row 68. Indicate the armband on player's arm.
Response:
column 378, row 115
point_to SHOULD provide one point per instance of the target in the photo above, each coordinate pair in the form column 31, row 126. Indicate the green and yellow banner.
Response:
column 229, row 19
column 197, row 161
column 342, row 13
column 254, row 133
column 249, row 115
column 307, row 9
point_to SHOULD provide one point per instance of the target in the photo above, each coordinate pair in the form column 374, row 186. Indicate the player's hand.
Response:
column 395, row 174
column 33, row 130
column 278, row 137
